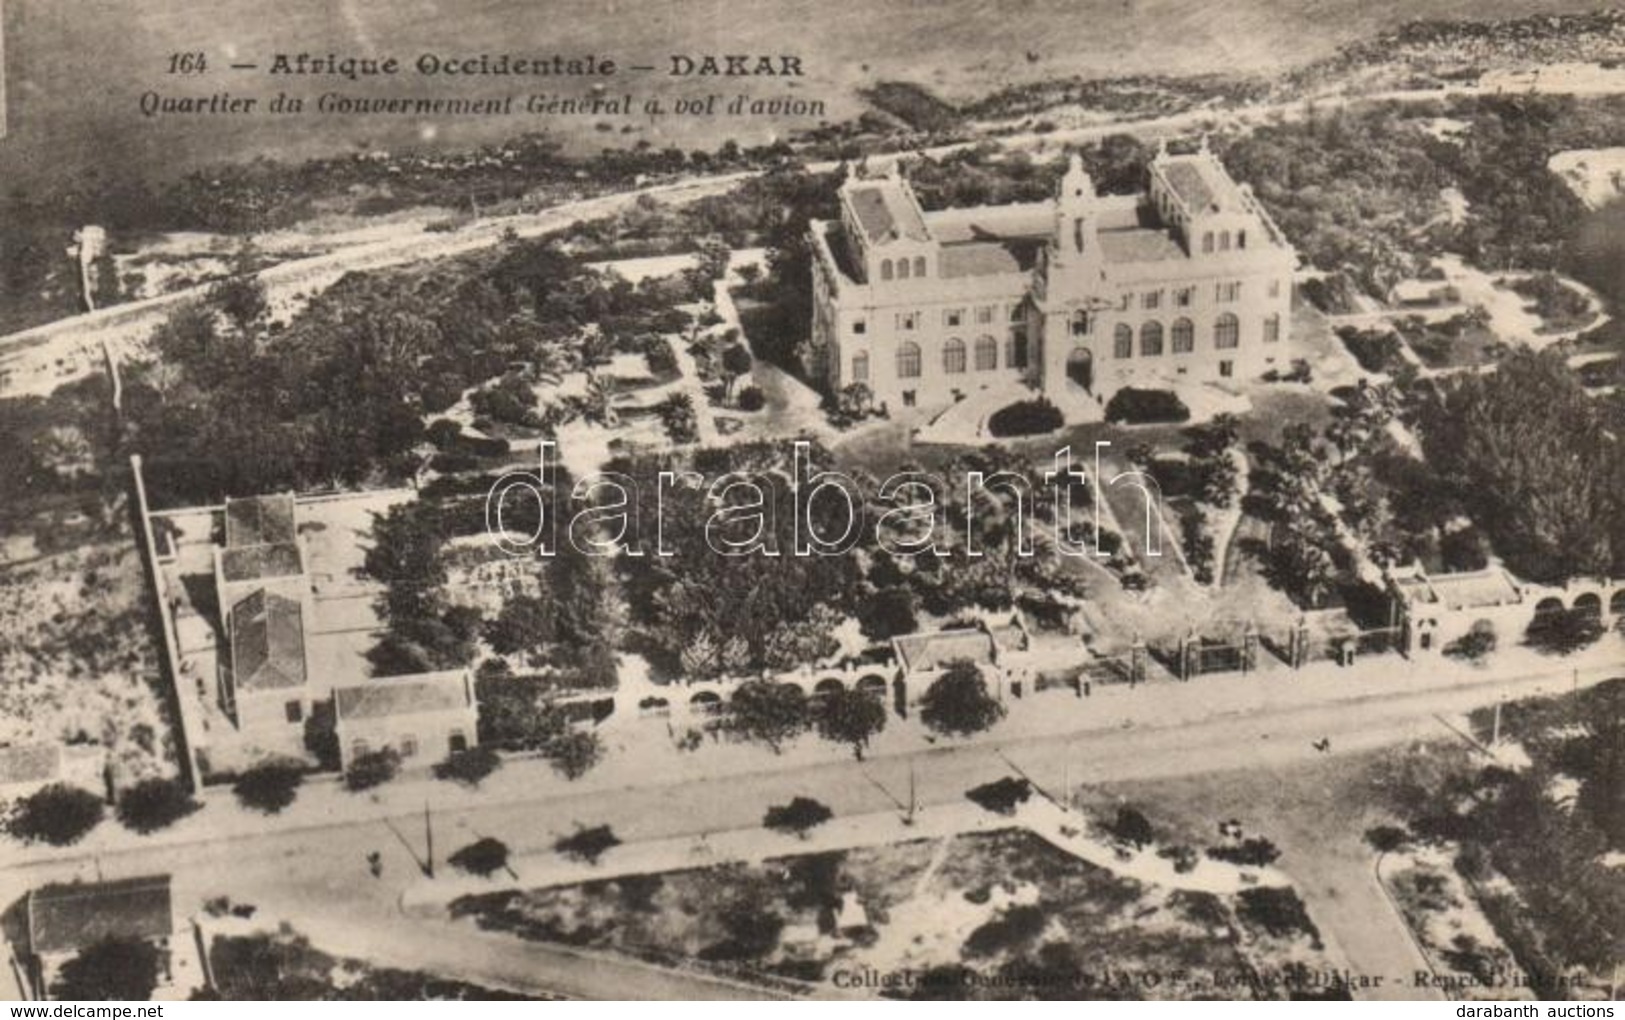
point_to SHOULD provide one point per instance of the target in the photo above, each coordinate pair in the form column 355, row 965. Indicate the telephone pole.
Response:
column 428, row 840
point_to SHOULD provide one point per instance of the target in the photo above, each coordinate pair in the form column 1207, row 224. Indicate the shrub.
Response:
column 154, row 804
column 1563, row 631
column 374, row 768
column 116, row 969
column 483, row 857
column 1025, row 418
column 1132, row 827
column 58, row 814
column 269, row 786
column 751, row 398
column 888, row 613
column 752, row 932
column 1386, row 839
column 1184, row 858
column 1375, row 350
column 1278, row 911
column 468, row 767
column 1012, row 929
column 638, row 892
column 574, row 754
column 1144, row 407
column 798, row 816
column 588, row 844
column 1478, row 642
column 1253, row 852
column 660, row 358
column 1001, row 796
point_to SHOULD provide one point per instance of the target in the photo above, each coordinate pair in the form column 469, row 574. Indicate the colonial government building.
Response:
column 1082, row 295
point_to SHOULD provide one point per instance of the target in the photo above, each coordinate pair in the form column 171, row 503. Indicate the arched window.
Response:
column 1123, row 341
column 1207, row 242
column 1226, row 331
column 902, row 269
column 1241, row 239
column 987, row 354
column 860, row 367
column 1080, row 323
column 1272, row 329
column 908, row 360
column 885, row 269
column 1151, row 339
column 1224, row 240
column 1015, row 349
column 1184, row 336
column 953, row 356
column 919, row 266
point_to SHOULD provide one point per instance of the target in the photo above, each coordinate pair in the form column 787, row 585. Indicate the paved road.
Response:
column 334, row 896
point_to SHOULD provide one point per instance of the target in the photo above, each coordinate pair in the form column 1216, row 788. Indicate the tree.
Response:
column 1001, row 796
column 958, row 703
column 1385, row 839
column 678, row 416
column 483, row 857
column 888, row 613
column 512, row 712
column 58, row 814
column 154, row 804
column 269, row 786
column 526, row 624
column 736, row 361
column 854, row 401
column 468, row 767
column 1478, row 642
column 574, row 754
column 588, row 844
column 799, row 816
column 851, row 717
column 770, row 712
column 114, row 969
column 1133, row 827
column 375, row 768
column 1563, row 631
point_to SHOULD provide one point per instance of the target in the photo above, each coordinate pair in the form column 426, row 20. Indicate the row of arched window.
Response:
column 1182, row 336
column 902, row 269
column 954, row 357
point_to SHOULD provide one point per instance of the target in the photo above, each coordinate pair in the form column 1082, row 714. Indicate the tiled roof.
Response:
column 1139, row 246
column 1201, row 183
column 68, row 917
column 885, row 212
column 933, row 651
column 1190, row 185
column 30, row 763
column 428, row 692
column 267, row 642
column 260, row 520
column 1472, row 590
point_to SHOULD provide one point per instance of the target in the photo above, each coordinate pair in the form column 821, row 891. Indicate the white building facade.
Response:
column 1079, row 296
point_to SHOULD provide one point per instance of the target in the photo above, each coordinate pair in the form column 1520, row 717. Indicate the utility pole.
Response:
column 428, row 840
column 913, row 798
column 1495, row 732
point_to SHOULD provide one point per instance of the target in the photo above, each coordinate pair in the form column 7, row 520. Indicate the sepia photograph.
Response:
column 856, row 501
